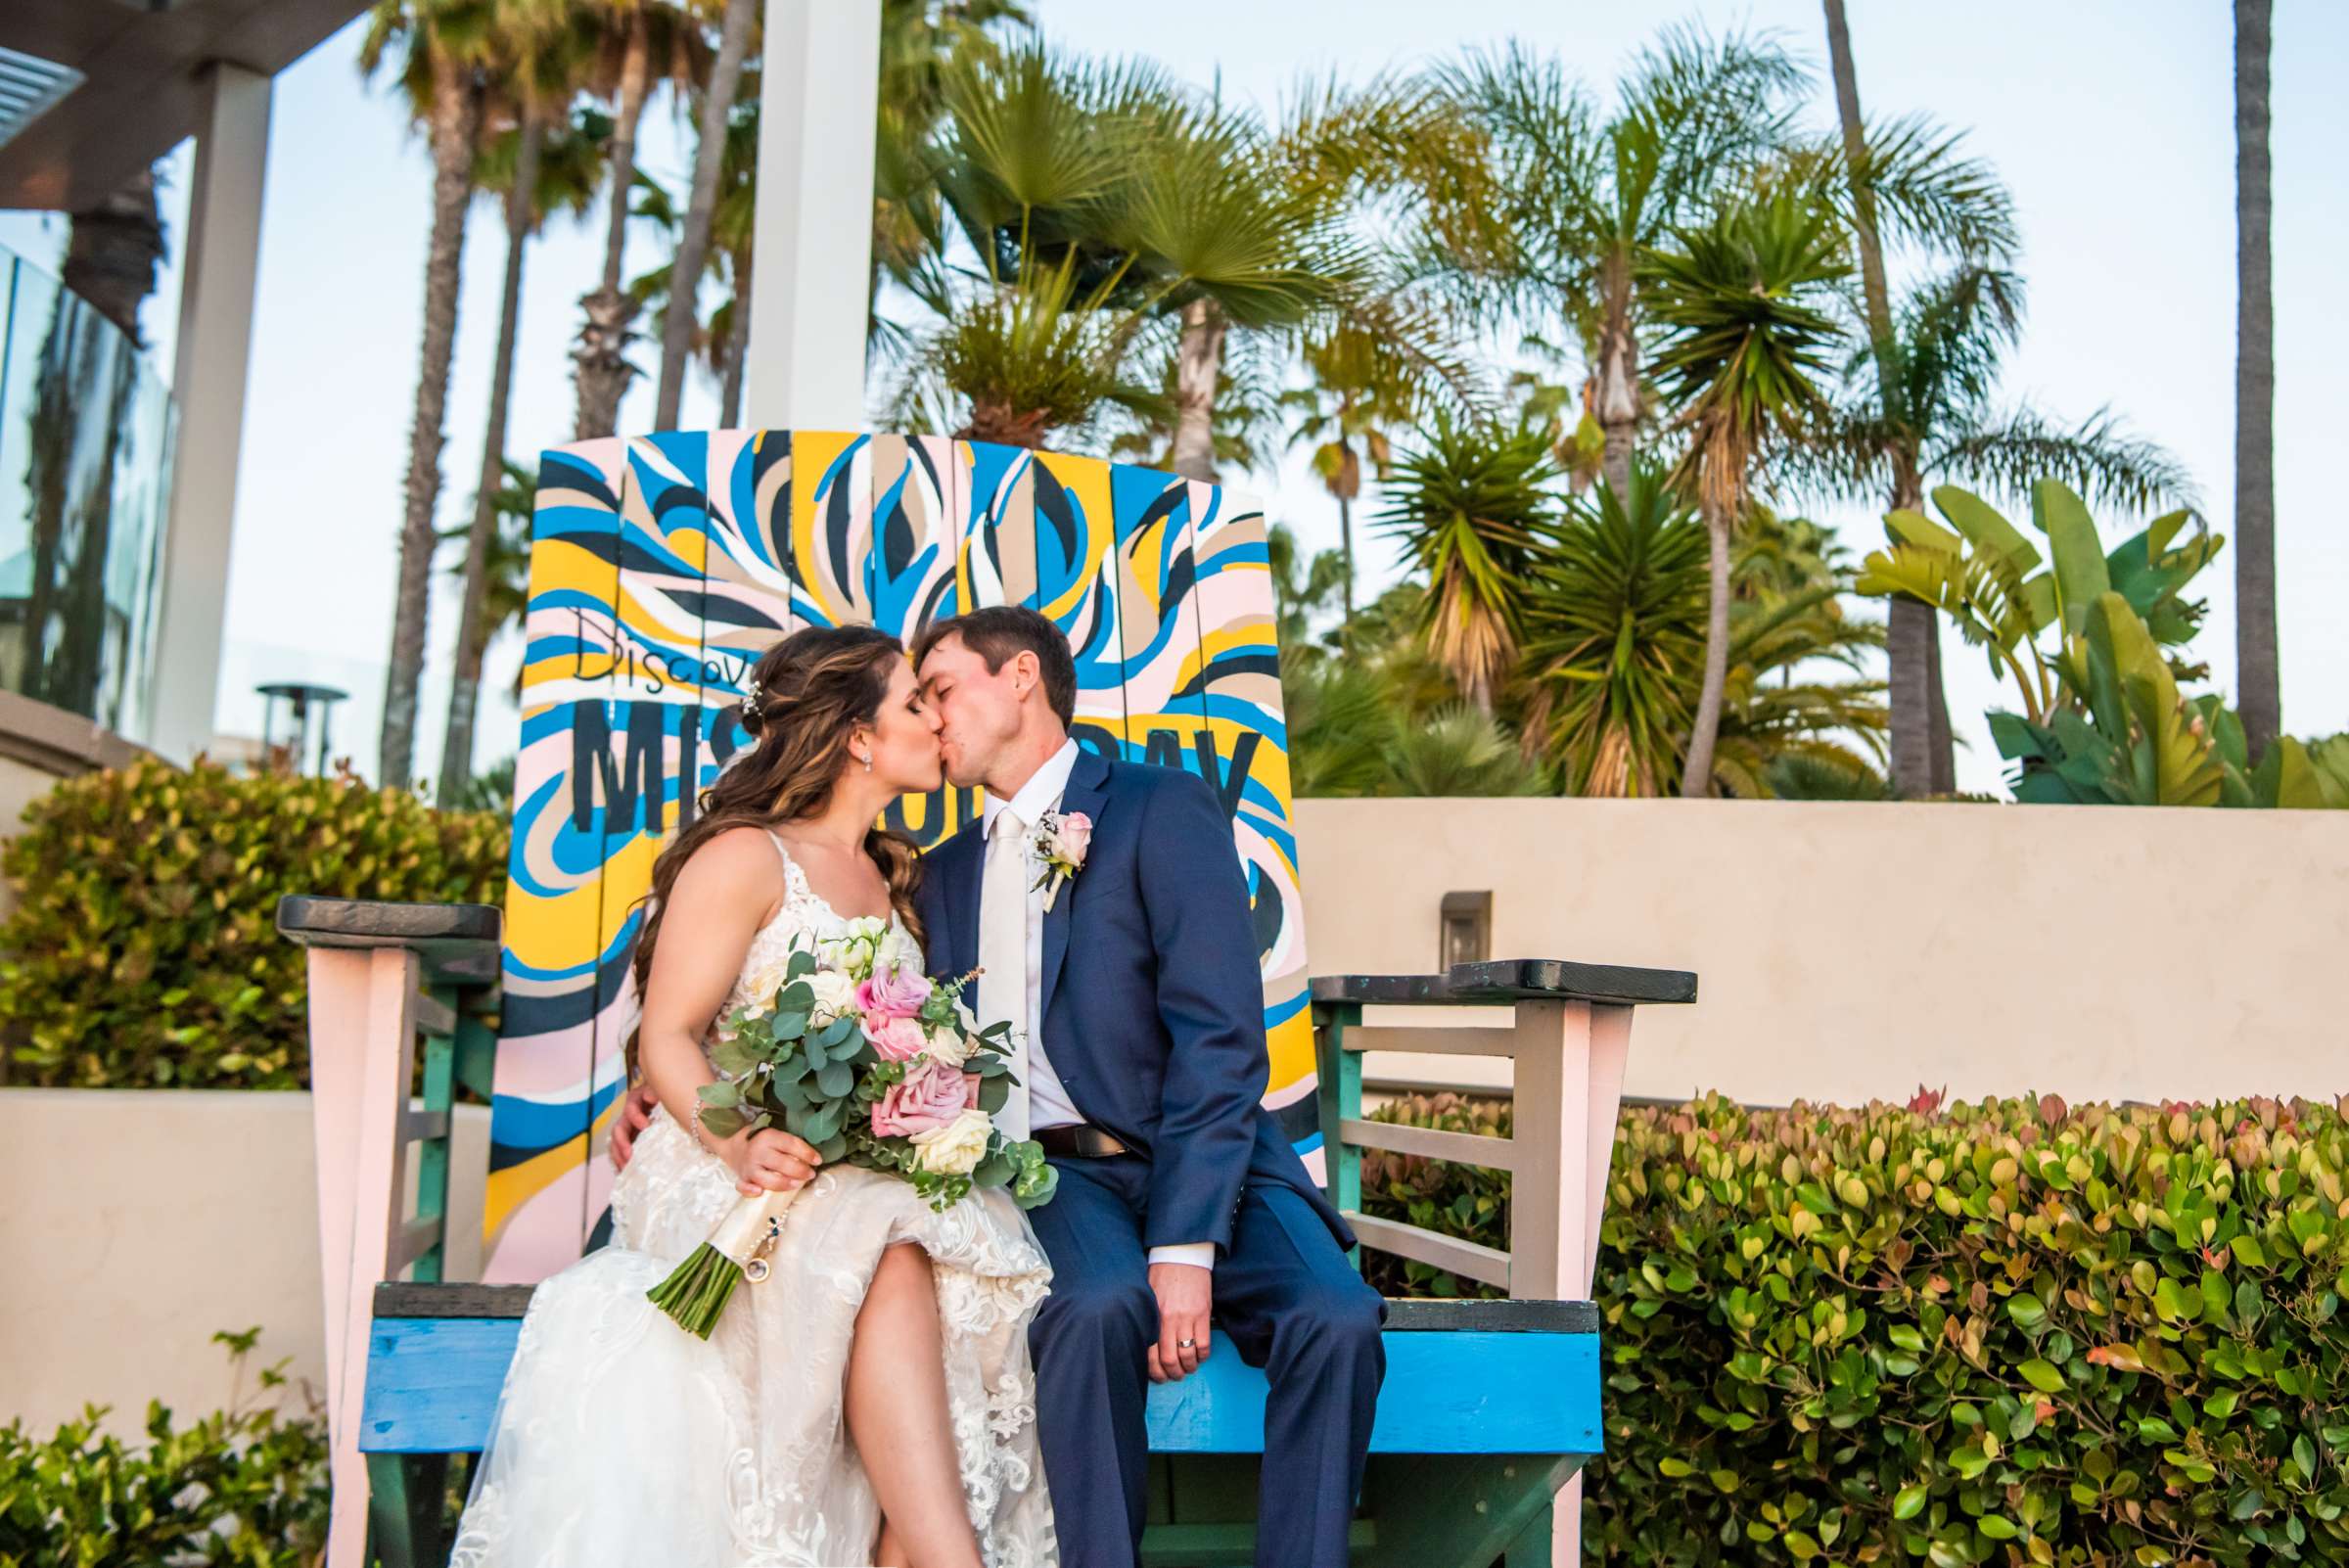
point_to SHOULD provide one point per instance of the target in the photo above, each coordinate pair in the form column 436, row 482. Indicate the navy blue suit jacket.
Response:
column 1152, row 1002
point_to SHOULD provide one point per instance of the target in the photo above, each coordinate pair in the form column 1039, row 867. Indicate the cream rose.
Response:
column 945, row 1043
column 763, row 985
column 896, row 949
column 834, row 993
column 956, row 1148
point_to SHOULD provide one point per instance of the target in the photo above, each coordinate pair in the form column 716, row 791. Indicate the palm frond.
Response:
column 2098, row 457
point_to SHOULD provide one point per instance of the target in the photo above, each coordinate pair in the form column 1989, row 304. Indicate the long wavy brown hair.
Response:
column 807, row 695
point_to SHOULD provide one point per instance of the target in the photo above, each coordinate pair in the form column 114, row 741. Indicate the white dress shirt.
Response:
column 1048, row 1102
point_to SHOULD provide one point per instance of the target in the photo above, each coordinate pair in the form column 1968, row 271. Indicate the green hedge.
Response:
column 143, row 953
column 247, row 1486
column 2013, row 1332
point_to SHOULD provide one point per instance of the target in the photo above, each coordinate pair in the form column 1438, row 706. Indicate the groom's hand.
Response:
column 1185, row 1293
column 635, row 1115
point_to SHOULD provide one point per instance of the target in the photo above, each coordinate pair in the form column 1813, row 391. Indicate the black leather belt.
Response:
column 1078, row 1142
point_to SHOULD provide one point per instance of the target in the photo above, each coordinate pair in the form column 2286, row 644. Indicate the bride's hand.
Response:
column 769, row 1161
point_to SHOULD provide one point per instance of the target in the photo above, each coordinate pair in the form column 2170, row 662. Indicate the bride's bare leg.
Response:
column 898, row 1416
column 890, row 1552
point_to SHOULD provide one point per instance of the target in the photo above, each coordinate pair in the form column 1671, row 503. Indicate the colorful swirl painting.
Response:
column 662, row 567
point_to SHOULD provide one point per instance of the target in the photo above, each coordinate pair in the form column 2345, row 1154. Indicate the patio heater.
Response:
column 307, row 701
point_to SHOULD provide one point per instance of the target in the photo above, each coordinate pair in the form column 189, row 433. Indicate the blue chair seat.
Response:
column 1488, row 1407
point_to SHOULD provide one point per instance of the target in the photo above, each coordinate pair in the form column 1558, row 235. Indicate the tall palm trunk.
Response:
column 465, row 691
column 1346, row 540
column 1616, row 402
column 1913, row 644
column 604, row 371
column 738, row 347
column 1921, row 758
column 1198, row 364
column 2257, row 680
column 456, row 110
column 1696, row 779
column 693, row 246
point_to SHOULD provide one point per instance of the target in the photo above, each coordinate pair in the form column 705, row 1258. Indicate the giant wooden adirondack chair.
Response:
column 661, row 569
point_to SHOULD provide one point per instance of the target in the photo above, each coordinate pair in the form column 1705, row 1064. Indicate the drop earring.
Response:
column 868, row 761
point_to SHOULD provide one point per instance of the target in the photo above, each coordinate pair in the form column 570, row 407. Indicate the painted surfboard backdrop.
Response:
column 662, row 567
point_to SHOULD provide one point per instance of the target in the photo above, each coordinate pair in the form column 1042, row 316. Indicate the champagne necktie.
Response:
column 1004, row 955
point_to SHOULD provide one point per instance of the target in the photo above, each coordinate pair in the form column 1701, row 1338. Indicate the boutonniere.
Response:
column 1059, row 843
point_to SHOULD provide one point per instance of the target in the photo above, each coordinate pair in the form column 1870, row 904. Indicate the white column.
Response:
column 220, row 262
column 813, row 239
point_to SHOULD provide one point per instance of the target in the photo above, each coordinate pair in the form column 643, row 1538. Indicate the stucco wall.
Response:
column 139, row 1221
column 1854, row 950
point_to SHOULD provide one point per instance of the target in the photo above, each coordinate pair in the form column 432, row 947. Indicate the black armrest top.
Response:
column 459, row 942
column 1507, row 980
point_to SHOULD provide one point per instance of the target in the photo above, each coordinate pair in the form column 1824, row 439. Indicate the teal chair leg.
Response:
column 406, row 1509
column 1531, row 1548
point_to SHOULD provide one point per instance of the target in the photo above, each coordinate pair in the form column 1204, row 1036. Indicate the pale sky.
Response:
column 2110, row 119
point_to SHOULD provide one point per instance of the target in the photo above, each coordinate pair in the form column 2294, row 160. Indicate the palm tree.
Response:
column 1615, row 638
column 1181, row 221
column 1365, row 715
column 536, row 71
column 500, row 572
column 1808, row 733
column 733, row 226
column 1474, row 508
column 443, row 41
column 1034, row 163
column 1923, row 758
column 1545, row 210
column 920, row 42
column 1740, row 300
column 700, row 211
column 1376, row 364
column 1921, row 754
column 1933, row 415
column 2256, row 674
column 642, row 39
column 1615, row 652
column 1250, row 223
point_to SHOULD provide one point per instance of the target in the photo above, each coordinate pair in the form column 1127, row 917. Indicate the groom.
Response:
column 1179, row 1203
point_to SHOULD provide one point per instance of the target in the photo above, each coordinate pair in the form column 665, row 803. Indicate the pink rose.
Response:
column 892, row 993
column 899, row 1040
column 1076, row 834
column 933, row 1095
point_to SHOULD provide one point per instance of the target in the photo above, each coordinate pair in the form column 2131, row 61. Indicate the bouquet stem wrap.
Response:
column 697, row 1291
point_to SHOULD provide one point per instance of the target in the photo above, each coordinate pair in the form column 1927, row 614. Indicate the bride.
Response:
column 870, row 1402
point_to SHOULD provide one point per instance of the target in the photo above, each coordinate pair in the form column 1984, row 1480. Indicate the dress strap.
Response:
column 794, row 880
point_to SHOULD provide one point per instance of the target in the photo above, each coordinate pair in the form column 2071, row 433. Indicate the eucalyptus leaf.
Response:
column 722, row 1122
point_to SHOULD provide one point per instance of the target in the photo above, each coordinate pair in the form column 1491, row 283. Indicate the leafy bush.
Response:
column 1459, row 1200
column 246, row 1486
column 2007, row 1332
column 143, row 954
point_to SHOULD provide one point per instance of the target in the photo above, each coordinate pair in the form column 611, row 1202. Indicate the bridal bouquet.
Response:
column 849, row 1045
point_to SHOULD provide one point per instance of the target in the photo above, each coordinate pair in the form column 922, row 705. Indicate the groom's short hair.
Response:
column 1002, row 631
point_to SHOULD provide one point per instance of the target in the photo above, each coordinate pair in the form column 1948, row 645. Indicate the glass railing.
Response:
column 85, row 484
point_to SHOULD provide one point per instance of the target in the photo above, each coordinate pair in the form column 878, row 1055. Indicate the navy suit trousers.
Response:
column 1289, row 1301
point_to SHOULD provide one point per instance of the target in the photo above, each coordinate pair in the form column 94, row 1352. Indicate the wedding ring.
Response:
column 1186, row 1343
column 756, row 1270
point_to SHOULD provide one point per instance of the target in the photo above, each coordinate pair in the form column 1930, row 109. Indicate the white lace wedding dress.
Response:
column 622, row 1440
